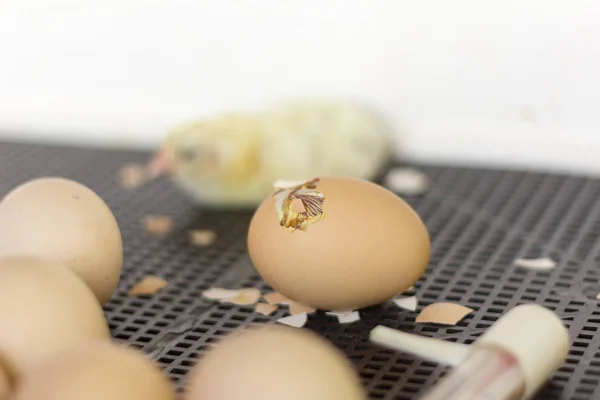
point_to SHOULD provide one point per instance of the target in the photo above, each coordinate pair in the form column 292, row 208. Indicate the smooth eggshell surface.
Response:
column 370, row 246
column 5, row 386
column 44, row 309
column 274, row 363
column 60, row 218
column 96, row 371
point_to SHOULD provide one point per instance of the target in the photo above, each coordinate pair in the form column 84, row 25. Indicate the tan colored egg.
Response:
column 63, row 219
column 5, row 386
column 274, row 363
column 96, row 371
column 369, row 247
column 44, row 309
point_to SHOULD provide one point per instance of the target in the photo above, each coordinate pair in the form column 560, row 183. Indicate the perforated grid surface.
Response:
column 479, row 221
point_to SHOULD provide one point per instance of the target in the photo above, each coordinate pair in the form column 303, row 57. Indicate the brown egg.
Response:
column 44, row 308
column 96, row 371
column 60, row 218
column 5, row 387
column 369, row 247
column 274, row 363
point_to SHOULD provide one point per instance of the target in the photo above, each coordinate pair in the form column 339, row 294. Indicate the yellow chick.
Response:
column 234, row 159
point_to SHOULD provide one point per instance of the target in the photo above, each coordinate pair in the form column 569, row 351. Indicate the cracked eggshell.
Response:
column 64, row 220
column 370, row 247
column 273, row 363
column 45, row 308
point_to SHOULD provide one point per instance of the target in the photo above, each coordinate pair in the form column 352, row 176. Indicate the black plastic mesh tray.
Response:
column 479, row 221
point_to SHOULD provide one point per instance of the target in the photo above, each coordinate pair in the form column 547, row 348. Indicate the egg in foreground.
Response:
column 274, row 363
column 65, row 220
column 44, row 309
column 96, row 371
column 353, row 244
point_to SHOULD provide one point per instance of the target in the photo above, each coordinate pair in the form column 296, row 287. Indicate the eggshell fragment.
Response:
column 276, row 298
column 264, row 308
column 407, row 181
column 407, row 303
column 337, row 313
column 349, row 318
column 598, row 296
column 297, row 321
column 148, row 286
column 158, row 224
column 219, row 293
column 538, row 264
column 133, row 175
column 241, row 297
column 244, row 297
column 297, row 308
column 443, row 313
column 345, row 317
column 202, row 237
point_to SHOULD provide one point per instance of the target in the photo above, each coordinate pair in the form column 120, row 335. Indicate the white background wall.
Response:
column 460, row 80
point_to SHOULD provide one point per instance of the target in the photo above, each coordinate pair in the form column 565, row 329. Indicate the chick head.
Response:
column 213, row 159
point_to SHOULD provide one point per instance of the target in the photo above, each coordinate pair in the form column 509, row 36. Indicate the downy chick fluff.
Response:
column 233, row 159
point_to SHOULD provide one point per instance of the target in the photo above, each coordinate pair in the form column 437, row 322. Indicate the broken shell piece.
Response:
column 337, row 313
column 349, row 318
column 297, row 308
column 297, row 321
column 202, row 237
column 265, row 309
column 276, row 298
column 133, row 175
column 312, row 202
column 148, row 286
column 219, row 293
column 443, row 313
column 244, row 297
column 158, row 224
column 406, row 181
column 407, row 303
column 345, row 317
column 539, row 264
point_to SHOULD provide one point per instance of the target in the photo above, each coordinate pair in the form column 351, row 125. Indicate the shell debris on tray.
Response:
column 407, row 303
column 265, row 308
column 443, row 313
column 202, row 237
column 148, row 286
column 158, row 225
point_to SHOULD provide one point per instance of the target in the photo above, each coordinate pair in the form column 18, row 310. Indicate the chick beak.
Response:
column 160, row 164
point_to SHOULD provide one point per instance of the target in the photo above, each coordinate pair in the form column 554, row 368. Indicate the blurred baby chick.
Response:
column 234, row 159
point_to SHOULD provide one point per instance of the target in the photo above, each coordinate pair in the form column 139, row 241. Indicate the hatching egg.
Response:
column 63, row 219
column 96, row 371
column 338, row 243
column 273, row 363
column 44, row 308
